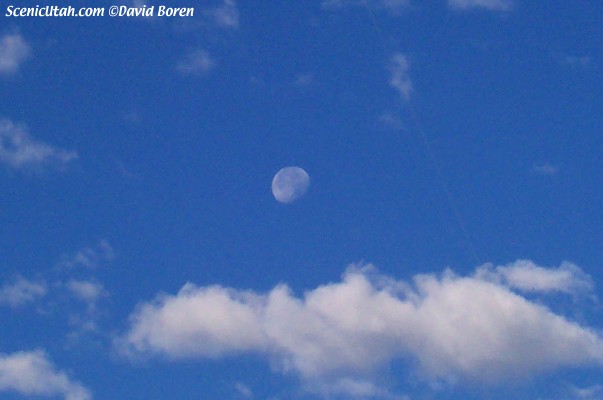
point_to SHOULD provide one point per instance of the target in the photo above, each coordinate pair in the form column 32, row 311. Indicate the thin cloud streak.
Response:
column 393, row 7
column 492, row 5
column 545, row 169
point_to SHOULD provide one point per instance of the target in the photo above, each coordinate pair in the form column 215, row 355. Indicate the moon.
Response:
column 289, row 184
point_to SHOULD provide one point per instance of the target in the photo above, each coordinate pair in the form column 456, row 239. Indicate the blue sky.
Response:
column 449, row 245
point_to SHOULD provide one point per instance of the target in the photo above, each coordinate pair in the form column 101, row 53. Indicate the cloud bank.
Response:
column 340, row 335
column 31, row 373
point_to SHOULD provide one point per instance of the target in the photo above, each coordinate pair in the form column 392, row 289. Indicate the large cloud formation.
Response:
column 479, row 327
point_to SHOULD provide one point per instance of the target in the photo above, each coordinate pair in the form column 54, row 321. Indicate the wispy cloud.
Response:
column 225, row 15
column 244, row 390
column 576, row 61
column 72, row 295
column 493, row 5
column 304, row 80
column 91, row 257
column 340, row 334
column 32, row 374
column 14, row 50
column 594, row 392
column 196, row 62
column 391, row 121
column 527, row 276
column 399, row 68
column 394, row 7
column 86, row 290
column 21, row 151
column 21, row 291
column 545, row 169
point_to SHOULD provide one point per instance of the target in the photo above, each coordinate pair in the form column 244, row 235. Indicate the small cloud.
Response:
column 355, row 389
column 244, row 390
column 133, row 117
column 196, row 62
column 90, row 257
column 526, row 276
column 19, row 150
column 86, row 291
column 226, row 15
column 588, row 393
column 545, row 169
column 21, row 291
column 304, row 80
column 89, row 292
column 32, row 374
column 394, row 7
column 399, row 67
column 492, row 5
column 575, row 61
column 14, row 50
column 391, row 121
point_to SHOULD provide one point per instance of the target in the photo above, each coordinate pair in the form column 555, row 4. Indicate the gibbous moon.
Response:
column 289, row 184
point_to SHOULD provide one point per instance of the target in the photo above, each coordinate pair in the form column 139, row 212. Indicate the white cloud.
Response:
column 20, row 151
column 395, row 7
column 594, row 392
column 399, row 75
column 196, row 62
column 244, row 390
column 529, row 277
column 32, row 374
column 14, row 50
column 87, row 291
column 494, row 5
column 20, row 292
column 226, row 15
column 92, row 257
column 202, row 322
column 339, row 335
column 353, row 388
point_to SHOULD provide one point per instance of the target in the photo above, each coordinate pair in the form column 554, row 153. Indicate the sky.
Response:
column 441, row 238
